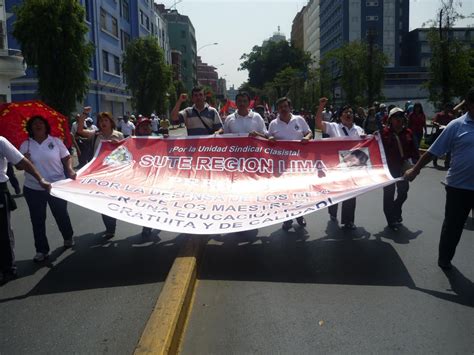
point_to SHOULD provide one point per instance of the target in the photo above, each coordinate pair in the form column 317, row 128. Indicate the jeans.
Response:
column 392, row 207
column 37, row 200
column 348, row 211
column 459, row 203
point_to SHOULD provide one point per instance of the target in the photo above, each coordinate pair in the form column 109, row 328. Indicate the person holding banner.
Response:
column 199, row 119
column 400, row 150
column 346, row 128
column 245, row 120
column 457, row 138
column 52, row 159
column 106, row 132
column 287, row 126
column 9, row 154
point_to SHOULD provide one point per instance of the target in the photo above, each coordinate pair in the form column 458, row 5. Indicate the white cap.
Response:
column 395, row 110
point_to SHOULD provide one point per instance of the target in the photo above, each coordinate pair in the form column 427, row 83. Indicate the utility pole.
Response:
column 370, row 77
column 445, row 72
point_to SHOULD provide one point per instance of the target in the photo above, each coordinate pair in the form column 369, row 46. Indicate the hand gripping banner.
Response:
column 204, row 185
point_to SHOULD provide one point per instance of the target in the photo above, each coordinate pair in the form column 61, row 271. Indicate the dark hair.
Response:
column 109, row 116
column 30, row 123
column 242, row 94
column 470, row 96
column 342, row 109
column 418, row 104
column 196, row 89
column 283, row 99
column 360, row 155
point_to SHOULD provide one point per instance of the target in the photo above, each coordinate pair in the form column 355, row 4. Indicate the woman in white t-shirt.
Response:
column 51, row 158
column 346, row 128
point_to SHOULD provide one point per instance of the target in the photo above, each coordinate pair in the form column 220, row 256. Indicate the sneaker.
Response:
column 68, row 243
column 108, row 235
column 301, row 221
column 445, row 265
column 287, row 225
column 39, row 257
column 394, row 227
column 350, row 226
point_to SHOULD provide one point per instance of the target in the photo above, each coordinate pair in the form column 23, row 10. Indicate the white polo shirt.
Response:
column 127, row 128
column 235, row 123
column 8, row 153
column 46, row 157
column 295, row 129
column 334, row 129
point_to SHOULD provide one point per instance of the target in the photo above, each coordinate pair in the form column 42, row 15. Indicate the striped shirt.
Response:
column 190, row 117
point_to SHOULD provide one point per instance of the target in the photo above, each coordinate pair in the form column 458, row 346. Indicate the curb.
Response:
column 163, row 331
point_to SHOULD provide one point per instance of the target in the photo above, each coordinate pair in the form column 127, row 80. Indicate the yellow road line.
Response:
column 163, row 330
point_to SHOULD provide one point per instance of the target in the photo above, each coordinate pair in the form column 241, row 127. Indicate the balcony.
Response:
column 11, row 64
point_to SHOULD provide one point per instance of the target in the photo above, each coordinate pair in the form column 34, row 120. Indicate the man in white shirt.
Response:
column 128, row 128
column 346, row 128
column 289, row 127
column 245, row 120
column 155, row 123
column 8, row 153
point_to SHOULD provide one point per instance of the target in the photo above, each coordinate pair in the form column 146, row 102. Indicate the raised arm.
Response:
column 86, row 133
column 320, row 124
column 175, row 111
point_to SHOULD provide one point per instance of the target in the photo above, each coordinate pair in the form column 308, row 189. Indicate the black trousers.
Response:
column 348, row 211
column 459, row 203
column 12, row 178
column 392, row 207
column 37, row 201
column 7, row 241
column 110, row 223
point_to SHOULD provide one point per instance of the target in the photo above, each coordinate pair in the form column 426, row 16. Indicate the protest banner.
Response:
column 204, row 185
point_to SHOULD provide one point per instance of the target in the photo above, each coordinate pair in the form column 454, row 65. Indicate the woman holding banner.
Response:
column 346, row 128
column 51, row 157
column 107, row 131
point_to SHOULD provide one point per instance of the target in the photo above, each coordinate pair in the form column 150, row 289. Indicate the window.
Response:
column 114, row 26
column 103, row 19
column 88, row 11
column 371, row 3
column 124, row 40
column 371, row 18
column 125, row 10
column 2, row 35
column 116, row 65
column 147, row 20
column 105, row 60
column 142, row 19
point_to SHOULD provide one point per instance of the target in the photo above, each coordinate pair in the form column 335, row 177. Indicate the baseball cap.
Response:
column 394, row 111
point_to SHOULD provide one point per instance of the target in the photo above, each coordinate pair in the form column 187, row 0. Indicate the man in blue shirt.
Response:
column 457, row 138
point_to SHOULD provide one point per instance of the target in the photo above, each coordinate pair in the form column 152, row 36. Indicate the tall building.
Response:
column 346, row 21
column 297, row 30
column 276, row 37
column 311, row 33
column 183, row 39
column 112, row 25
column 11, row 61
column 207, row 75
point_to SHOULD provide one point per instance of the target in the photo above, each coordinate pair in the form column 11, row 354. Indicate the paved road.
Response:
column 327, row 291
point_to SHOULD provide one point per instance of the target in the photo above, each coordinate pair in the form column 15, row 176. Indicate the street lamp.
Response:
column 207, row 45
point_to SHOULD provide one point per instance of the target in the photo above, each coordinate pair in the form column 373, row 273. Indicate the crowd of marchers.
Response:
column 45, row 159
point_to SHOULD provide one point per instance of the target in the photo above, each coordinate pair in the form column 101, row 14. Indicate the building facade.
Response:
column 297, row 29
column 11, row 61
column 311, row 32
column 346, row 21
column 207, row 75
column 112, row 25
column 182, row 39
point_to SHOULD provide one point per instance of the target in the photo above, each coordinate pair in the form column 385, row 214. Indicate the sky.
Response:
column 237, row 26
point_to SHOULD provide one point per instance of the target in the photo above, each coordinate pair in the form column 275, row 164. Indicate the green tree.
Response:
column 265, row 62
column 350, row 62
column 52, row 38
column 452, row 62
column 147, row 75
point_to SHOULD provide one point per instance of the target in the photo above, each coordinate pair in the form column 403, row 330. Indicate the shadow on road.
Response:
column 100, row 263
column 340, row 257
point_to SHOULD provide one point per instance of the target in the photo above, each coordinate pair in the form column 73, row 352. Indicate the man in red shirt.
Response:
column 440, row 121
column 399, row 146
